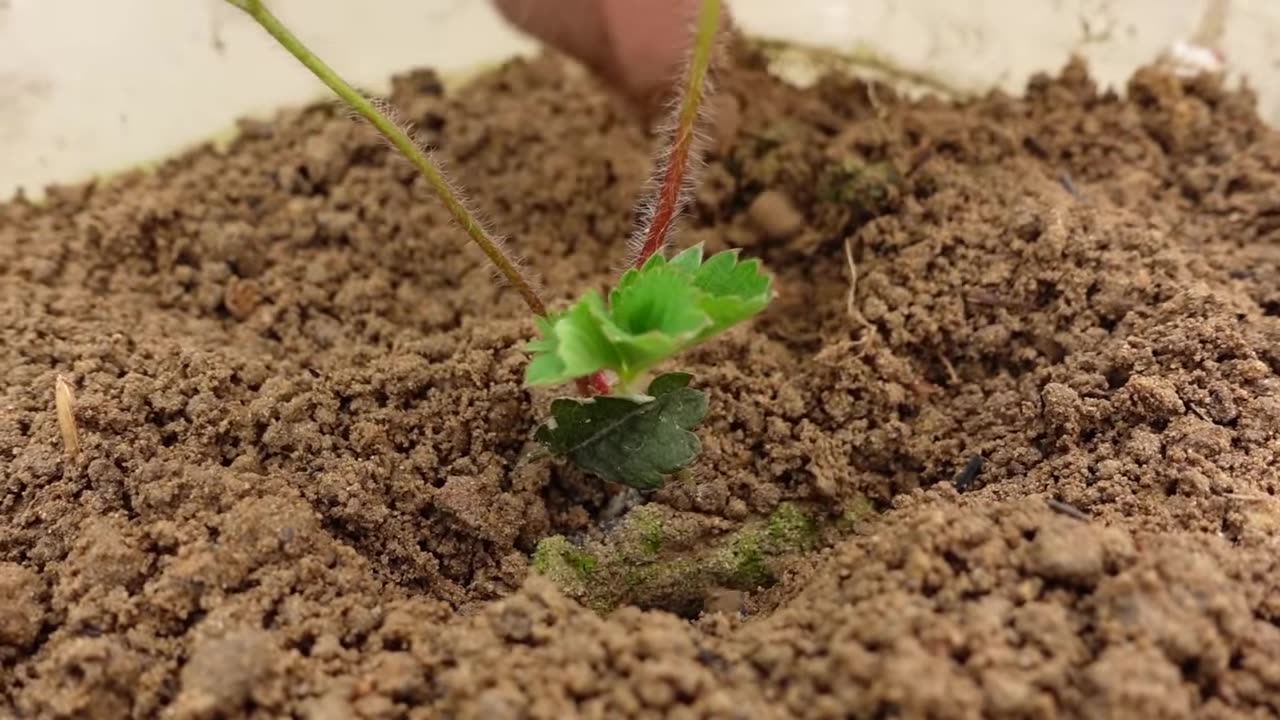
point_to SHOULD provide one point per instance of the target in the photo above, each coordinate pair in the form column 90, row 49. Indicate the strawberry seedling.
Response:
column 659, row 308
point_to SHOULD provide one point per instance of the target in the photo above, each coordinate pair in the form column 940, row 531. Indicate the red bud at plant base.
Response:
column 596, row 384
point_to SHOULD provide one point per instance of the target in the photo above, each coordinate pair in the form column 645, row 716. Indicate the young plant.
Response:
column 659, row 308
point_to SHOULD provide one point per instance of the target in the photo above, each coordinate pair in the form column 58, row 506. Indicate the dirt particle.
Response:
column 105, row 557
column 323, row 159
column 1012, row 694
column 21, row 612
column 94, row 678
column 1066, row 550
column 332, row 706
column 241, row 298
column 375, row 707
column 492, row 704
column 1134, row 681
column 1155, row 398
column 399, row 676
column 225, row 672
column 726, row 115
column 336, row 226
column 722, row 600
column 1063, row 409
column 775, row 215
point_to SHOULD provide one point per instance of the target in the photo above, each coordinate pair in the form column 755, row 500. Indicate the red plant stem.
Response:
column 597, row 384
column 671, row 195
column 667, row 201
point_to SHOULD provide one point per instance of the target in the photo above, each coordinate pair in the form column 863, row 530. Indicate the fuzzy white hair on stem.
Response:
column 679, row 160
column 394, row 132
column 499, row 242
column 654, row 186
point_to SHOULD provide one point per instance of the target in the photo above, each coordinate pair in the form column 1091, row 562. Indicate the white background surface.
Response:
column 93, row 86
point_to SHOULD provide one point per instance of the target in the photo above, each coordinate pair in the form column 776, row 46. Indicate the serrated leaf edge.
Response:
column 681, row 342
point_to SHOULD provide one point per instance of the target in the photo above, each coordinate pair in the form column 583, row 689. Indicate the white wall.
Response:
column 90, row 86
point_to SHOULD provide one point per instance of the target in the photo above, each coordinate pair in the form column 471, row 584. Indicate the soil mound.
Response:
column 1005, row 446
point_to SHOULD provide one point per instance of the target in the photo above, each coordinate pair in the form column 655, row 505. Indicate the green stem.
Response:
column 704, row 40
column 402, row 142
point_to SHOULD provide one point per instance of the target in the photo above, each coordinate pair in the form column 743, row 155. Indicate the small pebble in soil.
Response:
column 223, row 673
column 775, row 215
column 1065, row 550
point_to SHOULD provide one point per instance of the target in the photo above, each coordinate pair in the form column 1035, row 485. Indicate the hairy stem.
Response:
column 402, row 142
column 671, row 194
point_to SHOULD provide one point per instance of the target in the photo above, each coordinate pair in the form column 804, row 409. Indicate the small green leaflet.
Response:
column 633, row 441
column 655, row 312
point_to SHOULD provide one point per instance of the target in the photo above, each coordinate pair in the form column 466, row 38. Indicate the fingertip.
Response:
column 636, row 45
column 651, row 40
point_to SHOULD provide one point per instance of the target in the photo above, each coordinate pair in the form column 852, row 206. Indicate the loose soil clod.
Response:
column 332, row 477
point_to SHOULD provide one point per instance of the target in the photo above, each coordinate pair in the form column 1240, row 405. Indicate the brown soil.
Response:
column 304, row 492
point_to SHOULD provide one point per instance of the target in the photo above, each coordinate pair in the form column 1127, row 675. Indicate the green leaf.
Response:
column 633, row 441
column 734, row 290
column 655, row 312
column 573, row 344
column 724, row 275
column 687, row 260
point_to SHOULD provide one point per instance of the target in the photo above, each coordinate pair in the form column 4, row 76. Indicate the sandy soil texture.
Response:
column 1005, row 446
